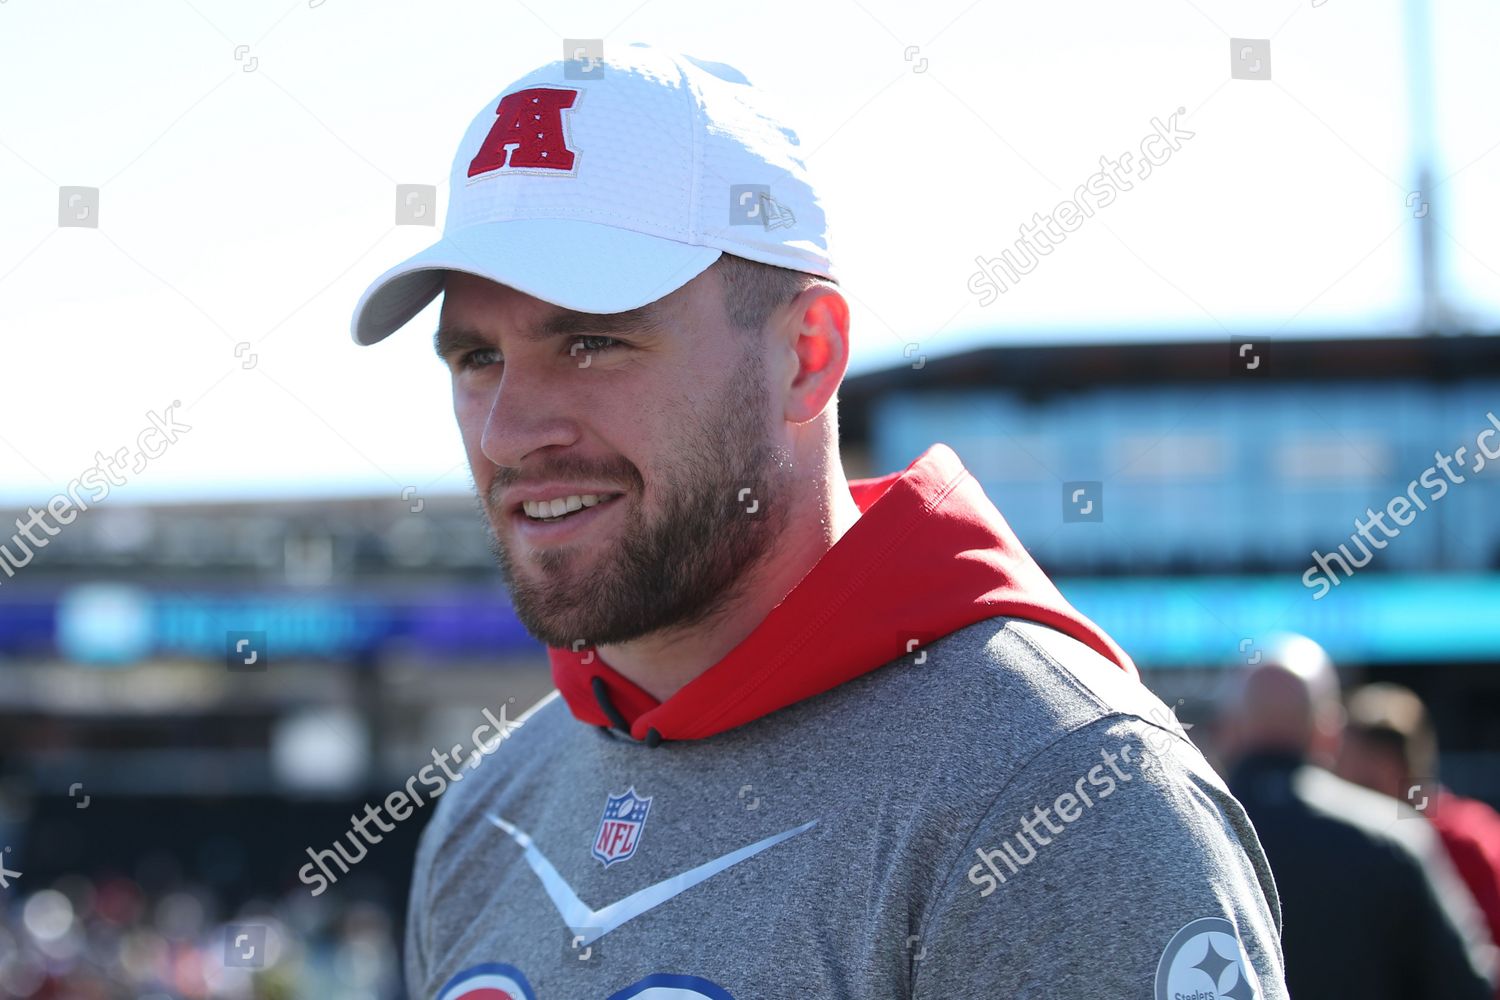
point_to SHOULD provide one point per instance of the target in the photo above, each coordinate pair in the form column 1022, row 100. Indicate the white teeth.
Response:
column 560, row 506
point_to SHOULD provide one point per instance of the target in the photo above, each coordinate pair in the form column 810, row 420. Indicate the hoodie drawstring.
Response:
column 601, row 695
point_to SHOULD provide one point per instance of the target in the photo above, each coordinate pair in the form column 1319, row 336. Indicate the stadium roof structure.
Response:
column 1039, row 371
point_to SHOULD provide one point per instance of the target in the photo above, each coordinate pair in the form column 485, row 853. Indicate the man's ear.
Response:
column 813, row 335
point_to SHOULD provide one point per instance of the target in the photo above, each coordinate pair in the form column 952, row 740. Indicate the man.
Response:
column 1371, row 908
column 812, row 737
column 1390, row 747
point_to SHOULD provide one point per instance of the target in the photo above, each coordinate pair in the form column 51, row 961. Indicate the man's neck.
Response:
column 664, row 662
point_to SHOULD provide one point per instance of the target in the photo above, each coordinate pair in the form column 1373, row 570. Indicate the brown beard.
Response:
column 682, row 567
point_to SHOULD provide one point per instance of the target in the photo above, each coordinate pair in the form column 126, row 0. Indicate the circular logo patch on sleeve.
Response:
column 491, row 981
column 1205, row 961
column 666, row 986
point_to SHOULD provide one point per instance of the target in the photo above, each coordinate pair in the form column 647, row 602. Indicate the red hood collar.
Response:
column 929, row 555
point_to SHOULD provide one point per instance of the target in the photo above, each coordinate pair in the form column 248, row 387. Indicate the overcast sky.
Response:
column 241, row 213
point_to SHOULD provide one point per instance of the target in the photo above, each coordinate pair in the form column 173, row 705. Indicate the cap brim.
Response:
column 583, row 266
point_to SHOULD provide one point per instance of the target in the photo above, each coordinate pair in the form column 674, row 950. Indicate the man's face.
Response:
column 663, row 414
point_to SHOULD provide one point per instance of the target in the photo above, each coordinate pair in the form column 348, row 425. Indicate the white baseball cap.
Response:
column 602, row 182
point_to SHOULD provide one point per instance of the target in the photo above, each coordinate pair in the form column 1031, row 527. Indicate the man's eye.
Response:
column 586, row 345
column 478, row 359
column 592, row 345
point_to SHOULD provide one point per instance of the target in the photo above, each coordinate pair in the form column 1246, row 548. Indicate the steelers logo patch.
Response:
column 1205, row 961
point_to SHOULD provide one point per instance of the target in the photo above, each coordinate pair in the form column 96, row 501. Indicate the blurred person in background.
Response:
column 1371, row 907
column 1391, row 747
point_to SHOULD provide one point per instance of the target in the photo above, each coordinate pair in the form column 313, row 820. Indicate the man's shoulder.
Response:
column 1067, row 708
column 536, row 734
column 1009, row 688
column 532, row 740
column 1099, row 804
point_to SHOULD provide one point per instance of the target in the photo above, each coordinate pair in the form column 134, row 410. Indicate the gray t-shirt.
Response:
column 1003, row 814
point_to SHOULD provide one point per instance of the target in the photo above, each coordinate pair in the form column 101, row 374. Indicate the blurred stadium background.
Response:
column 157, row 792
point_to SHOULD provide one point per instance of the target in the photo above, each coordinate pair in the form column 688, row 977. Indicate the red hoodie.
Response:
column 929, row 555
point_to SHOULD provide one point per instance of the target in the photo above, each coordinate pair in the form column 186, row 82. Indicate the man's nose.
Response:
column 527, row 413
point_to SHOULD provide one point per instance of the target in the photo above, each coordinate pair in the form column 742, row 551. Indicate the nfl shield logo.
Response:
column 620, row 829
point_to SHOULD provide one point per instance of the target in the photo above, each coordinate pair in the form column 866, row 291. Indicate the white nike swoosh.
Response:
column 589, row 924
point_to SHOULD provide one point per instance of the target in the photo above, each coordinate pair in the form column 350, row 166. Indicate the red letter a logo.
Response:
column 531, row 121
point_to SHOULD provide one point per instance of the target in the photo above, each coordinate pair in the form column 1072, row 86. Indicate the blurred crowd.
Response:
column 156, row 937
column 1389, row 882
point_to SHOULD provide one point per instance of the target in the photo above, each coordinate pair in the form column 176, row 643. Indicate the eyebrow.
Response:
column 452, row 339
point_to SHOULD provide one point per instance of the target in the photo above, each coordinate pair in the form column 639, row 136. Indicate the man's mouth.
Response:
column 560, row 508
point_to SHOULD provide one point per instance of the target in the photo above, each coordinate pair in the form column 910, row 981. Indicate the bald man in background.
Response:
column 1371, row 905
